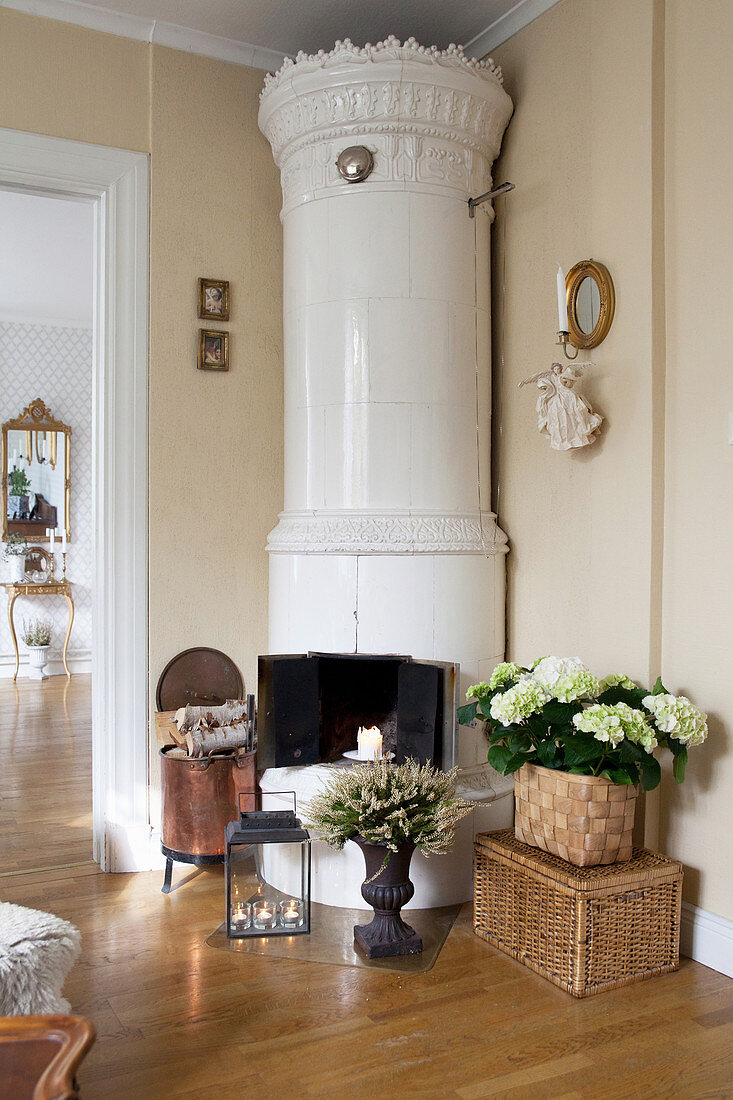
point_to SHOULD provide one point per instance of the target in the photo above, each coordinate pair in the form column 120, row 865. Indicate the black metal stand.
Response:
column 166, row 887
column 184, row 857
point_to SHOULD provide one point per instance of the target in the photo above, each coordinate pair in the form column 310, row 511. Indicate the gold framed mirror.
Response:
column 591, row 303
column 36, row 482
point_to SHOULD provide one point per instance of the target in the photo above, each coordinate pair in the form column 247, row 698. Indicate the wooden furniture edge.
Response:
column 75, row 1036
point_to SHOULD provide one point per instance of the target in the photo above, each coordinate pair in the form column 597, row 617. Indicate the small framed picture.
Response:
column 214, row 299
column 213, row 350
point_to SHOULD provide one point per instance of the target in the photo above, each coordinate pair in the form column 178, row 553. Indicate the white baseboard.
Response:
column 80, row 661
column 707, row 938
column 132, row 848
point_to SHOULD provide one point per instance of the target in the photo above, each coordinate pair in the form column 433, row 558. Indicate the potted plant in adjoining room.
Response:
column 15, row 549
column 581, row 749
column 18, row 490
column 389, row 811
column 36, row 635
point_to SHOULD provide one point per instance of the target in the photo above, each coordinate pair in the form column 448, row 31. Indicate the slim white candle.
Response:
column 51, row 536
column 63, row 540
column 562, row 302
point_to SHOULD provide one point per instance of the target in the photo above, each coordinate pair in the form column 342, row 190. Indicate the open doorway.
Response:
column 46, row 376
column 111, row 186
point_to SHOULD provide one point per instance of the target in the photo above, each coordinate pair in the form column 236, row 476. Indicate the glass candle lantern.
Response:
column 269, row 910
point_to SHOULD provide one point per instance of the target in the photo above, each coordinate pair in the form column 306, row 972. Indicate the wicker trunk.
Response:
column 584, row 929
column 584, row 819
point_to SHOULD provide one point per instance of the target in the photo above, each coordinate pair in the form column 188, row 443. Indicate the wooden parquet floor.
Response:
column 176, row 1018
column 46, row 779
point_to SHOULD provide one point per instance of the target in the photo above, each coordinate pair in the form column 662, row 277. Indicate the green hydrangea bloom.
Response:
column 617, row 679
column 477, row 691
column 518, row 702
column 613, row 723
column 575, row 685
column 677, row 716
column 503, row 672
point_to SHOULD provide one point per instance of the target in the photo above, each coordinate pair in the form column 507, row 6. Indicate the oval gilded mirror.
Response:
column 591, row 303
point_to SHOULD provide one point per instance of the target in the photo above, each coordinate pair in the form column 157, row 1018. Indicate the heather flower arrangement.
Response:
column 557, row 714
column 390, row 804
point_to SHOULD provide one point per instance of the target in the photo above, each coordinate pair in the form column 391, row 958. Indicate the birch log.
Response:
column 203, row 741
column 188, row 717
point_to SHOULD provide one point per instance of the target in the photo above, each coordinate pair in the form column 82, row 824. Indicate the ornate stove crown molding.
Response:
column 391, row 49
column 431, row 117
column 387, row 533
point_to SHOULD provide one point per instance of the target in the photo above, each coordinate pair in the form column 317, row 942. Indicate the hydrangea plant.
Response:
column 557, row 714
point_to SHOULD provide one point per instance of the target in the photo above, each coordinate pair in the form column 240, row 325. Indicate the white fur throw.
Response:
column 37, row 951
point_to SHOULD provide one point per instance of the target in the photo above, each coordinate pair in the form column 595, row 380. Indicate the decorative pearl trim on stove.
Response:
column 386, row 533
column 389, row 50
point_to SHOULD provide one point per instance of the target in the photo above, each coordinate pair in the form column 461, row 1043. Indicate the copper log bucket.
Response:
column 200, row 797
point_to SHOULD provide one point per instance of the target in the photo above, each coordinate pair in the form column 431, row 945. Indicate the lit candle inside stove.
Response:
column 369, row 743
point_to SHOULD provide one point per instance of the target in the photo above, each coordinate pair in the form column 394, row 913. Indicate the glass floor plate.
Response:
column 331, row 939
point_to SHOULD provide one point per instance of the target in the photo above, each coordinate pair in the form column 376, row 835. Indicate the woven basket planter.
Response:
column 585, row 819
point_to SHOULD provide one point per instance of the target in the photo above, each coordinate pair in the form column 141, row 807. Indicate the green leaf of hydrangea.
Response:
column 467, row 713
column 499, row 757
column 632, row 698
column 519, row 741
column 558, row 714
column 515, row 763
column 651, row 773
column 547, row 753
column 580, row 748
column 659, row 688
column 618, row 775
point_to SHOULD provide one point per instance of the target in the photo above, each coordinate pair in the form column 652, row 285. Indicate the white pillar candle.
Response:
column 562, row 302
column 369, row 743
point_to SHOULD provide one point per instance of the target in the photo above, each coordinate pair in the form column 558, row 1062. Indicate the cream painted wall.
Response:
column 215, row 440
column 697, row 818
column 578, row 151
column 621, row 553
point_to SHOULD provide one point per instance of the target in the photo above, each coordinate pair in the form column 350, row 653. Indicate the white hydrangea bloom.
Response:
column 677, row 716
column 617, row 679
column 550, row 669
column 575, row 685
column 518, row 702
column 613, row 723
column 477, row 690
column 602, row 721
column 507, row 670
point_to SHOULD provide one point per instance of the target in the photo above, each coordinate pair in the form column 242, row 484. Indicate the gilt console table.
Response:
column 48, row 588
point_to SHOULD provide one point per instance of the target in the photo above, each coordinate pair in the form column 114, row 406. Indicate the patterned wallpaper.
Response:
column 55, row 364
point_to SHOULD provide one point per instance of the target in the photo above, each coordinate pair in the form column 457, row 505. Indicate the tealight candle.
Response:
column 291, row 913
column 240, row 917
column 264, row 914
column 369, row 743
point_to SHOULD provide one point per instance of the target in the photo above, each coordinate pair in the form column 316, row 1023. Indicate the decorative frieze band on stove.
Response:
column 428, row 122
column 386, row 533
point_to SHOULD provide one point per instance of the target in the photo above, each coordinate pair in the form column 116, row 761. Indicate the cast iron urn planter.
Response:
column 386, row 892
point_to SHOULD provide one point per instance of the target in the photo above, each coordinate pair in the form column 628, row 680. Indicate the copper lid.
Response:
column 198, row 676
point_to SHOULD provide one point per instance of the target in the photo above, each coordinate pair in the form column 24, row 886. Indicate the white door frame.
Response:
column 116, row 182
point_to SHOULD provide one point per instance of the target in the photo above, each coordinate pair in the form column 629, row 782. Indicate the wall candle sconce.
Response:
column 586, row 303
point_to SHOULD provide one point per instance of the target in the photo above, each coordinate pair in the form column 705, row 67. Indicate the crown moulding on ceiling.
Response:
column 231, row 49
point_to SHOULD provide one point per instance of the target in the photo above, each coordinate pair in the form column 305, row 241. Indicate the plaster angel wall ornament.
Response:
column 562, row 414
